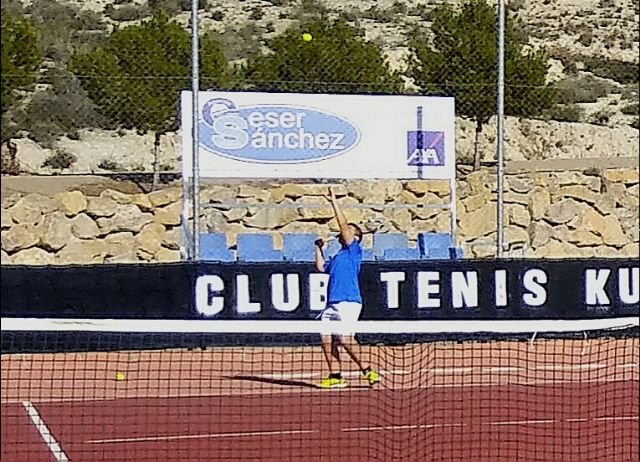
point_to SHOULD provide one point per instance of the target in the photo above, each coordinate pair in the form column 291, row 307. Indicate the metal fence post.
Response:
column 195, row 180
column 500, row 134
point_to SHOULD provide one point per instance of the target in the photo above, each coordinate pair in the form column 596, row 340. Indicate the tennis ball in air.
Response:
column 307, row 37
column 119, row 376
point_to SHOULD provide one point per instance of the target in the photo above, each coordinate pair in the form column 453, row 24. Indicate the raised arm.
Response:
column 345, row 230
column 319, row 256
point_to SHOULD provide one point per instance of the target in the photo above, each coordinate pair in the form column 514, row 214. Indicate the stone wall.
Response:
column 547, row 214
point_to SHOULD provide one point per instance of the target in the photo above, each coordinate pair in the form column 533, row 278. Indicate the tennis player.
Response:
column 344, row 302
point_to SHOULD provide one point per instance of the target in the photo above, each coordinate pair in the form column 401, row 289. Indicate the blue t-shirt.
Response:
column 343, row 270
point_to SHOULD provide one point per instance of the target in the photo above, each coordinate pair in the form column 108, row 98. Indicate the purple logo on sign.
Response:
column 425, row 148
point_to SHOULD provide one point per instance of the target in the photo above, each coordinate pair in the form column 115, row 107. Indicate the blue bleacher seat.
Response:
column 401, row 254
column 384, row 241
column 367, row 254
column 435, row 246
column 254, row 247
column 332, row 248
column 456, row 253
column 299, row 246
column 213, row 247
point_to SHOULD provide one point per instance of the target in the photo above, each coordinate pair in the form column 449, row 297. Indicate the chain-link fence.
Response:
column 72, row 80
column 95, row 89
column 70, row 75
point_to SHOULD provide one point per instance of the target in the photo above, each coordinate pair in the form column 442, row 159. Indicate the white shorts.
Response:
column 340, row 318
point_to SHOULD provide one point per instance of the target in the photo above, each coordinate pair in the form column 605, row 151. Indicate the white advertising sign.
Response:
column 285, row 135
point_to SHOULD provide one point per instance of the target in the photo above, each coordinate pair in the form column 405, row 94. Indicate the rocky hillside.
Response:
column 593, row 45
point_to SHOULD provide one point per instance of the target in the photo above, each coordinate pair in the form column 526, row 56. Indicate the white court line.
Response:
column 628, row 365
column 613, row 419
column 448, row 370
column 504, row 369
column 46, row 435
column 526, row 422
column 573, row 367
column 401, row 427
column 143, row 439
column 354, row 429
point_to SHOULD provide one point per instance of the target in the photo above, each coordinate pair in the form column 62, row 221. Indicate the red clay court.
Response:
column 544, row 400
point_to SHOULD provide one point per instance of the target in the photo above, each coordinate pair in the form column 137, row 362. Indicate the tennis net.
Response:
column 125, row 390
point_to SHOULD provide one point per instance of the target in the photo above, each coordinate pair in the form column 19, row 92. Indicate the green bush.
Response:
column 337, row 60
column 621, row 71
column 62, row 109
column 135, row 78
column 60, row 160
column 583, row 89
column 21, row 57
column 602, row 117
column 565, row 113
column 109, row 164
column 460, row 61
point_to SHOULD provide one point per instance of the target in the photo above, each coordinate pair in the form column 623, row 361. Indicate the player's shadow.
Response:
column 283, row 382
column 286, row 382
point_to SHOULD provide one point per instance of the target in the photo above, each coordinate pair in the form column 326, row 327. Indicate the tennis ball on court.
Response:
column 120, row 376
column 307, row 37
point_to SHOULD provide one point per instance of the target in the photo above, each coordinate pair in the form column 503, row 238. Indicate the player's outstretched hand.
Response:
column 319, row 243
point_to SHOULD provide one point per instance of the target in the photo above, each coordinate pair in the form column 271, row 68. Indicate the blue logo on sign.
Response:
column 425, row 148
column 274, row 133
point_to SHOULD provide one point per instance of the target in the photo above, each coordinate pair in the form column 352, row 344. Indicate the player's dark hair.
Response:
column 358, row 231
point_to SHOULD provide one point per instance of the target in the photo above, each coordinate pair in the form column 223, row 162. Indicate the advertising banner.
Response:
column 91, row 306
column 435, row 290
column 284, row 135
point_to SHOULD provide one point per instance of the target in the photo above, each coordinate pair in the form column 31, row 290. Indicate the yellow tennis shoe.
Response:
column 371, row 376
column 332, row 382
